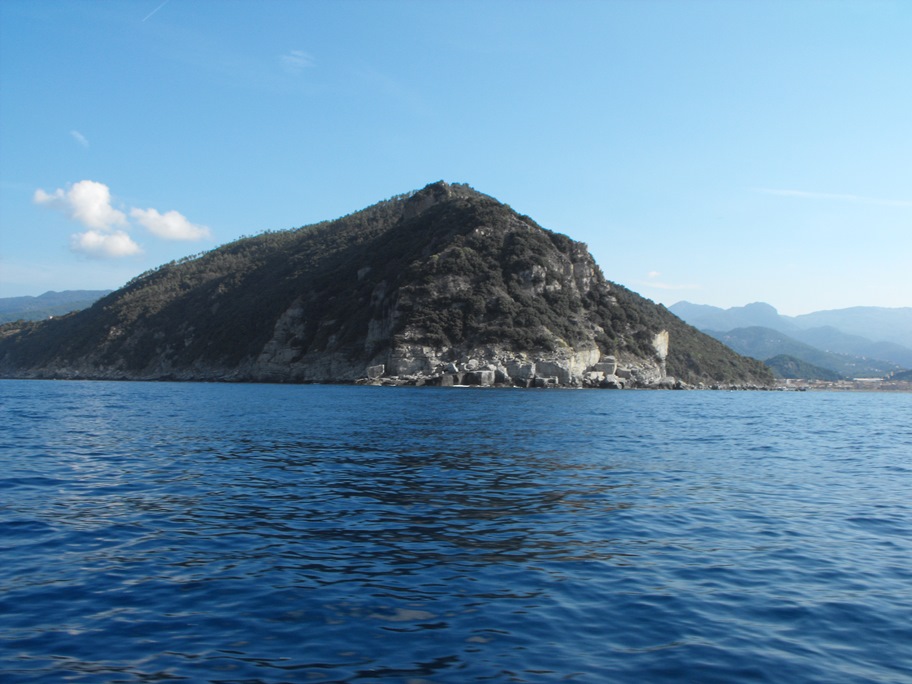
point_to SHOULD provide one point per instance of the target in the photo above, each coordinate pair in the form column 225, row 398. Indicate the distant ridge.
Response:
column 871, row 322
column 758, row 314
column 445, row 285
column 866, row 333
column 765, row 343
column 48, row 304
column 789, row 367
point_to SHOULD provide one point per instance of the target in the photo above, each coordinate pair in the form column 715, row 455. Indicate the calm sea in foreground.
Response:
column 267, row 533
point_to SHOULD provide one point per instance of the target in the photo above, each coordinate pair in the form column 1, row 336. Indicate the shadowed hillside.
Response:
column 445, row 285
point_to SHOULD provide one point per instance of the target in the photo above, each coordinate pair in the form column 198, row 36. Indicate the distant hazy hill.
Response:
column 871, row 322
column 831, row 339
column 784, row 366
column 444, row 285
column 868, row 332
column 758, row 314
column 766, row 343
column 48, row 304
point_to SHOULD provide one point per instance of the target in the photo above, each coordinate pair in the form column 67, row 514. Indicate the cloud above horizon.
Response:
column 89, row 203
column 154, row 11
column 659, row 285
column 841, row 197
column 171, row 225
column 105, row 245
column 80, row 138
column 295, row 61
column 672, row 286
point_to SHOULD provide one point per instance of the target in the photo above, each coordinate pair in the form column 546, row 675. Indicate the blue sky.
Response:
column 718, row 152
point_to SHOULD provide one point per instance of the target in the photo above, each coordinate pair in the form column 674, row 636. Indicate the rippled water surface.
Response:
column 254, row 533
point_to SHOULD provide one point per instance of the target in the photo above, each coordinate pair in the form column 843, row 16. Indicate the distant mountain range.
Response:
column 868, row 322
column 854, row 342
column 47, row 305
column 764, row 344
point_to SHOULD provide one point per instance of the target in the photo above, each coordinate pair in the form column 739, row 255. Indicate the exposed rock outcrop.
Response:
column 445, row 286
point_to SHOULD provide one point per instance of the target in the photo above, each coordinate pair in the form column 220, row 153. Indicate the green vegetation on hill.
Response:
column 784, row 366
column 446, row 267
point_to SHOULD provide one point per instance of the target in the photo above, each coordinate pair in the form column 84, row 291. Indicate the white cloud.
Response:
column 80, row 138
column 87, row 202
column 834, row 196
column 295, row 61
column 155, row 10
column 101, row 244
column 169, row 226
column 655, row 284
column 670, row 286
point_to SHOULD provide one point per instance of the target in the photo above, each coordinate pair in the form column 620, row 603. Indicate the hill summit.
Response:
column 444, row 286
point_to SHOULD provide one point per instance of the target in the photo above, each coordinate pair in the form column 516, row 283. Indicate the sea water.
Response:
column 272, row 533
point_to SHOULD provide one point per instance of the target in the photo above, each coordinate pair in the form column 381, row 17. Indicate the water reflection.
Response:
column 334, row 534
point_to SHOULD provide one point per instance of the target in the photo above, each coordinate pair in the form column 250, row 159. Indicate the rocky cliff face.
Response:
column 444, row 286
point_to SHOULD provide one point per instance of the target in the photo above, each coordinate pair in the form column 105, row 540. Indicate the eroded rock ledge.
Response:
column 498, row 367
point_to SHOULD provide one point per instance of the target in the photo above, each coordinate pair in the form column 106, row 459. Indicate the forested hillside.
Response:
column 420, row 285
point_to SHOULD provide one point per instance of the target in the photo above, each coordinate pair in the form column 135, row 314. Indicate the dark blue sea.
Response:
column 269, row 533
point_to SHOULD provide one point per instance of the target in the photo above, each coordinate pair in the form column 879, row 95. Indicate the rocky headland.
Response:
column 443, row 286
